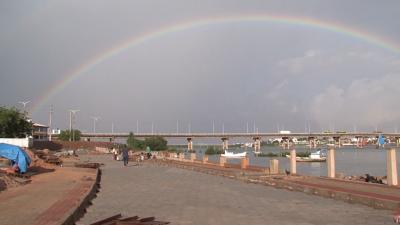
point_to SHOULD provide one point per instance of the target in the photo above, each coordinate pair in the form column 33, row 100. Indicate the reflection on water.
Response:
column 349, row 161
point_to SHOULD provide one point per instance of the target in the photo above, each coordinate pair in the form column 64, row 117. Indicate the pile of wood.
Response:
column 134, row 220
column 48, row 157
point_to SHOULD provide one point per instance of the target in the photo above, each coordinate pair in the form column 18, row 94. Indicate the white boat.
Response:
column 234, row 155
column 318, row 156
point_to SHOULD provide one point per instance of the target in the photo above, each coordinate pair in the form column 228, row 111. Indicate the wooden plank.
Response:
column 109, row 219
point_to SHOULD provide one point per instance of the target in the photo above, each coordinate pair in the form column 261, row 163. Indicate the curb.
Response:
column 80, row 210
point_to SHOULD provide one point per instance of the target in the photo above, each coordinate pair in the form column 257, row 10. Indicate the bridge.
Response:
column 238, row 135
column 286, row 138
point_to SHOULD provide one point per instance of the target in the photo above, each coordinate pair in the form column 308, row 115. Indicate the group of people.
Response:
column 121, row 152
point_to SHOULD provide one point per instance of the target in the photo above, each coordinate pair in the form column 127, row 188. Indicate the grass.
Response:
column 283, row 154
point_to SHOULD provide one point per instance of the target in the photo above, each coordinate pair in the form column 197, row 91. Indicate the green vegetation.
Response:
column 66, row 134
column 154, row 143
column 283, row 154
column 212, row 150
column 273, row 144
column 14, row 124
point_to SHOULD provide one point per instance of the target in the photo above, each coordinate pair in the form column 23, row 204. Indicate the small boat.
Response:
column 318, row 156
column 234, row 155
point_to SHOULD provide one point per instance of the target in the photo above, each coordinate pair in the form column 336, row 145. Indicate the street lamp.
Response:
column 24, row 103
column 95, row 118
column 72, row 111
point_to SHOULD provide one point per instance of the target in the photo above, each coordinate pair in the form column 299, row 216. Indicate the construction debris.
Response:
column 48, row 157
column 134, row 220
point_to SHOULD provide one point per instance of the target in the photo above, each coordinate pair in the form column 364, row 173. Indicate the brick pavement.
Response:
column 51, row 198
column 189, row 197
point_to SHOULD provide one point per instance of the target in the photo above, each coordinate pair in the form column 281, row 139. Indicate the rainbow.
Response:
column 201, row 22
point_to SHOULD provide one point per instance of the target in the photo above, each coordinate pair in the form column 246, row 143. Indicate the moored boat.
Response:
column 234, row 155
column 317, row 156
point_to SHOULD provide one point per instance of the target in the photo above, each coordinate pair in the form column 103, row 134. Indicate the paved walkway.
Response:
column 187, row 197
column 49, row 199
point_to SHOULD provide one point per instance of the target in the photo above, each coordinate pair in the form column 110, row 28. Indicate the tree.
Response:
column 14, row 123
column 66, row 134
column 156, row 143
column 134, row 143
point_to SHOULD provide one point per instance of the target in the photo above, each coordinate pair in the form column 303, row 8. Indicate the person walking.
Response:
column 125, row 155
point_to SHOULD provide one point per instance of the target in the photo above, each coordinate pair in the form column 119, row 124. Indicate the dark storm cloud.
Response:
column 274, row 74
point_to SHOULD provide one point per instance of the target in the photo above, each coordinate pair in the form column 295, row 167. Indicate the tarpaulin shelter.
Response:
column 17, row 155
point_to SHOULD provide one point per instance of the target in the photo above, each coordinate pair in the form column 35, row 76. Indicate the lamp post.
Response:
column 72, row 112
column 95, row 118
column 24, row 104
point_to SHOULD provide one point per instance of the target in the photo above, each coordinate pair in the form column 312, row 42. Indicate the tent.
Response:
column 17, row 155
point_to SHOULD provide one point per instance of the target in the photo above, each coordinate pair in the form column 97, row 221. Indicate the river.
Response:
column 349, row 160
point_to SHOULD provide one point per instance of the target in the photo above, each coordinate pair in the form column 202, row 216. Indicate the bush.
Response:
column 212, row 150
column 156, row 143
column 134, row 143
column 66, row 134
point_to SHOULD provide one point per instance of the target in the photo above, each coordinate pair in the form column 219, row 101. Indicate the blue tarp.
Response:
column 17, row 155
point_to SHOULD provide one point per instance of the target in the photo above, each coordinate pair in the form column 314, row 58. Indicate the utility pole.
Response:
column 112, row 127
column 177, row 126
column 223, row 128
column 50, row 121
column 95, row 118
column 137, row 126
column 213, row 127
column 152, row 128
column 72, row 112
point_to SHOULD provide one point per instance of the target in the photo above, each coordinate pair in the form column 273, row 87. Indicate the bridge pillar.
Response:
column 391, row 167
column 293, row 161
column 312, row 142
column 192, row 157
column 337, row 142
column 360, row 142
column 273, row 166
column 257, row 144
column 224, row 143
column 222, row 161
column 190, row 144
column 205, row 158
column 285, row 143
column 244, row 162
column 330, row 162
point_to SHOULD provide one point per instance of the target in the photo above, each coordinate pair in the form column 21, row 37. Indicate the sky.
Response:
column 240, row 75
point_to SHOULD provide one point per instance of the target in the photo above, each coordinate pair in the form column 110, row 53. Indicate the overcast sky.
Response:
column 274, row 75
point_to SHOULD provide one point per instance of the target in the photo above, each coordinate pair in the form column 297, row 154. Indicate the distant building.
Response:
column 40, row 132
column 56, row 131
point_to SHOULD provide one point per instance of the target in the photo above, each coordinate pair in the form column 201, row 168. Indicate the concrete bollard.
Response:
column 205, row 158
column 222, row 161
column 293, row 169
column 192, row 157
column 330, row 162
column 244, row 163
column 273, row 166
column 391, row 167
column 182, row 156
